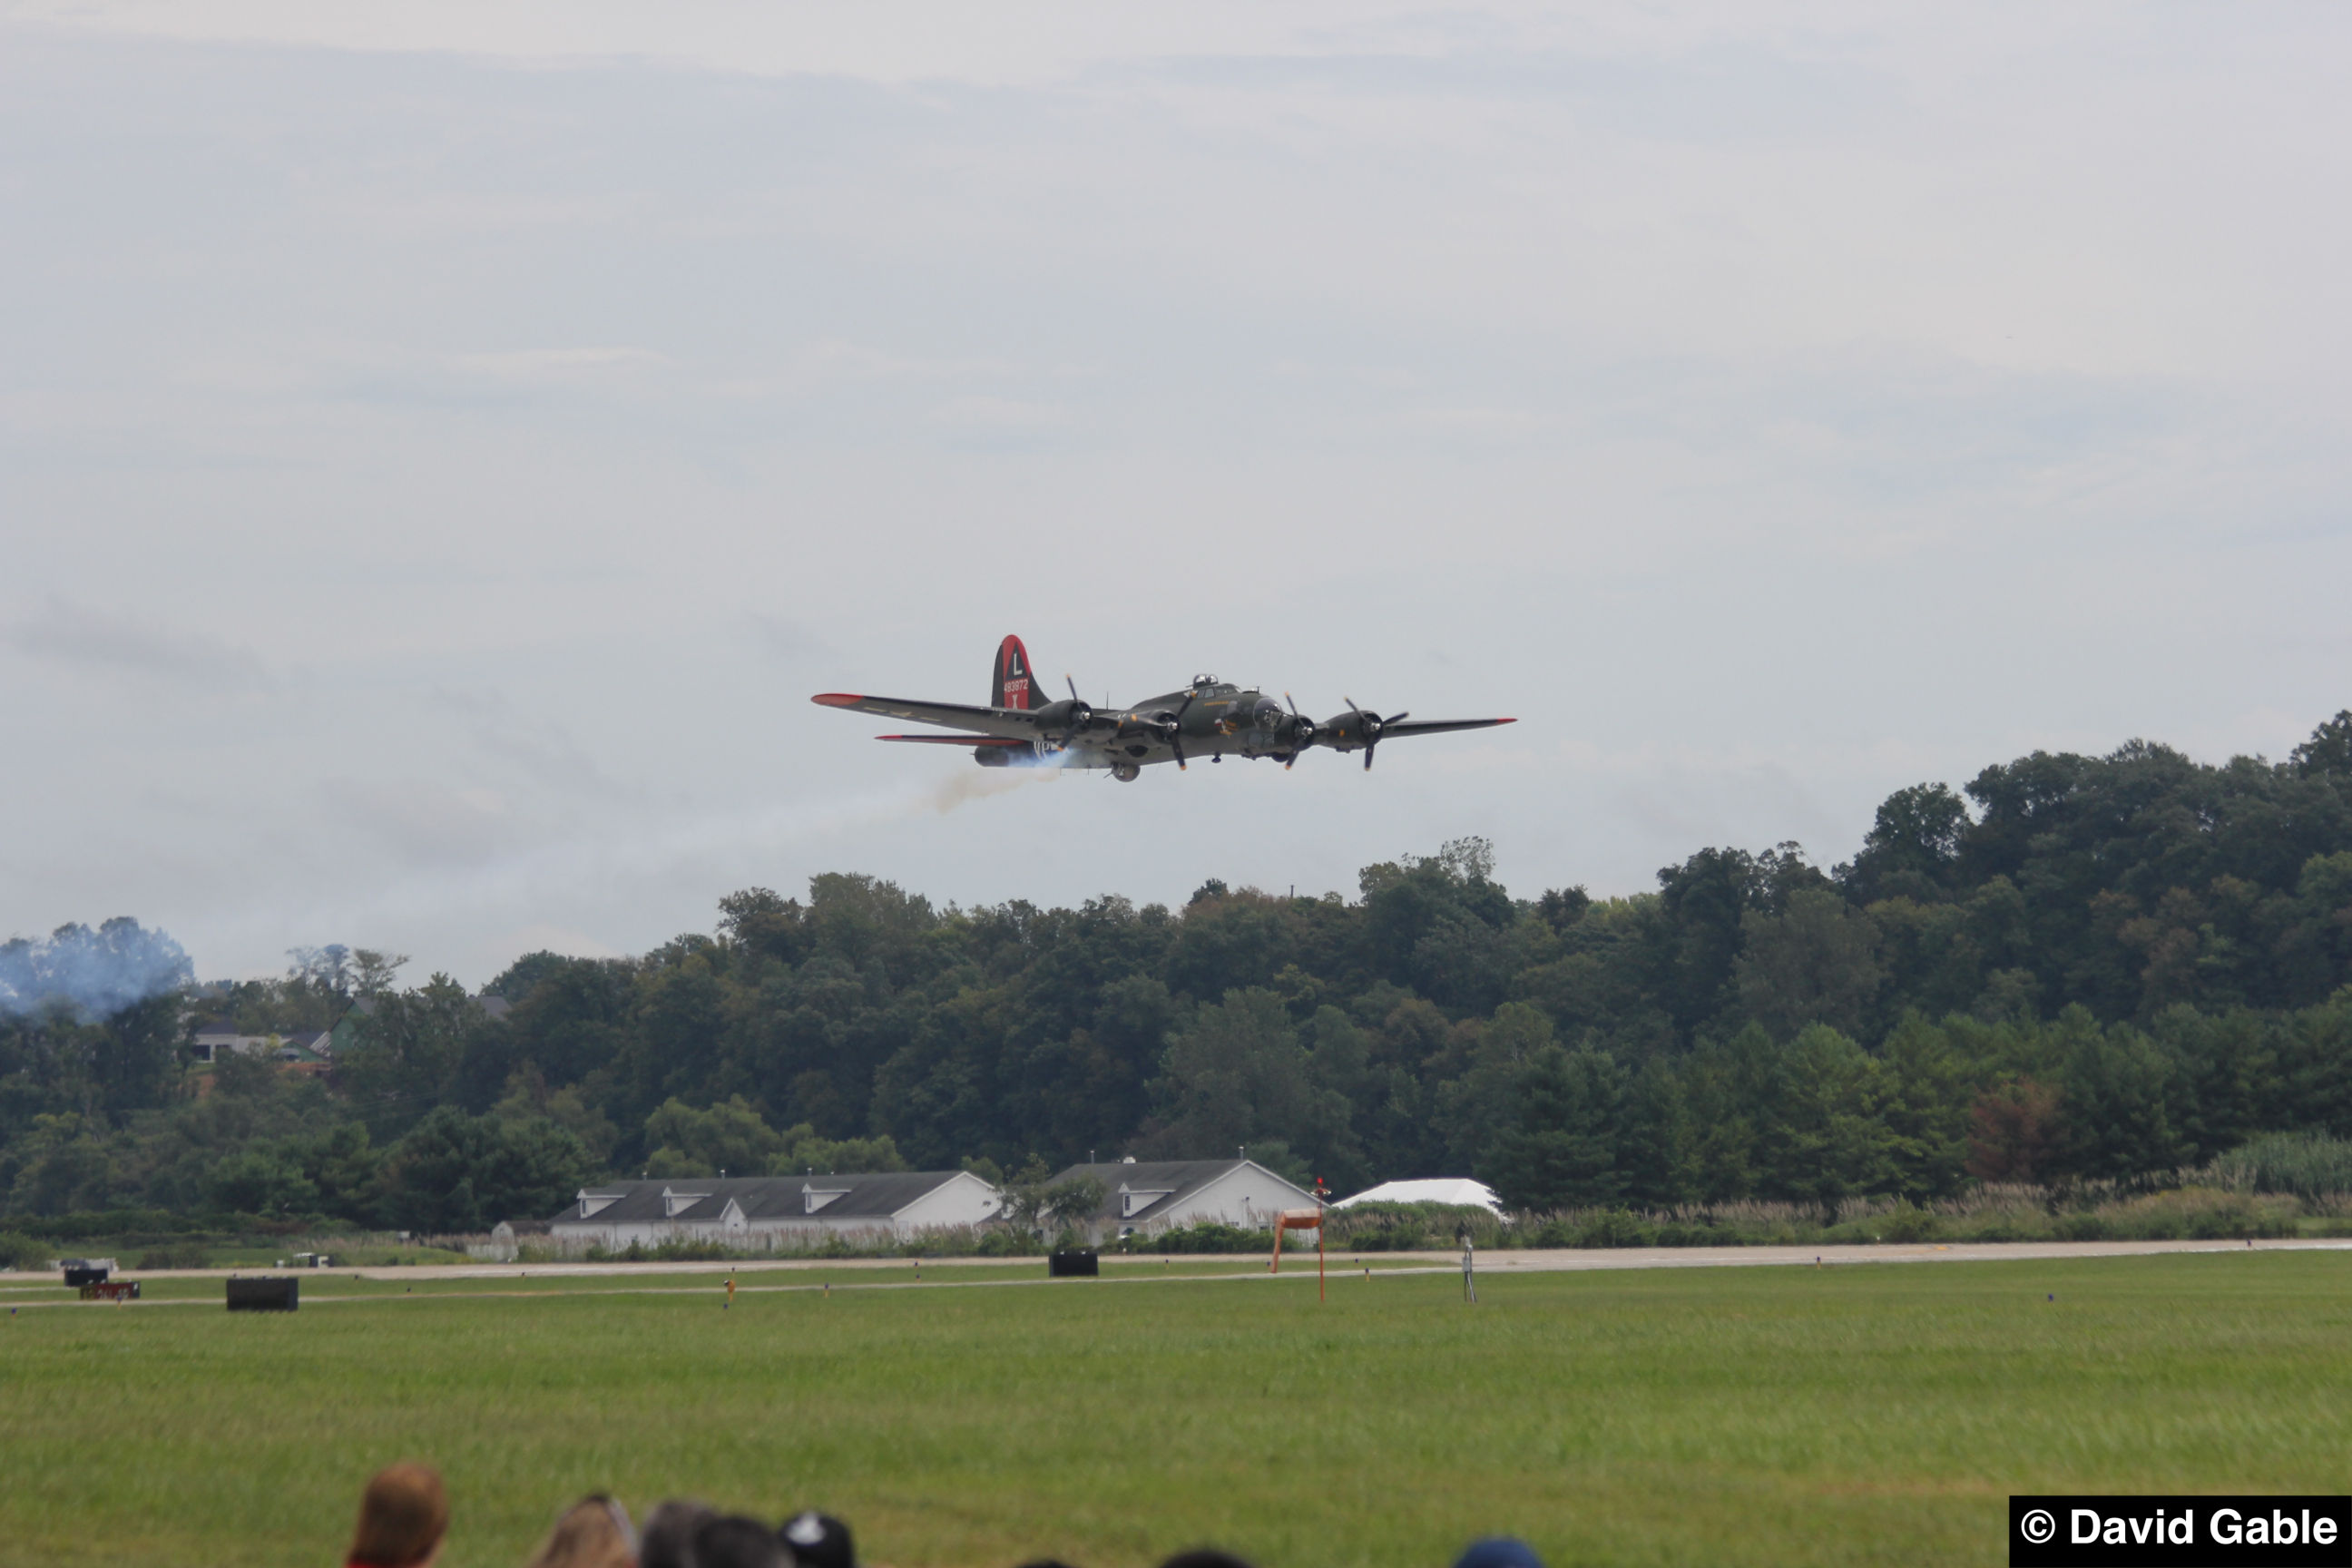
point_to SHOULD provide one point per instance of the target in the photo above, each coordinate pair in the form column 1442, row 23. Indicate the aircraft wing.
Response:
column 1438, row 726
column 1008, row 723
column 956, row 739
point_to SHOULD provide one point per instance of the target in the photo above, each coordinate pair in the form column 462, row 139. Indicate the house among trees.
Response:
column 221, row 1037
column 775, row 1211
column 1146, row 1198
column 352, row 1023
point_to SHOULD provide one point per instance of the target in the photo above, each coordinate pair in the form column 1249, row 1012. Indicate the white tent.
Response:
column 1459, row 1191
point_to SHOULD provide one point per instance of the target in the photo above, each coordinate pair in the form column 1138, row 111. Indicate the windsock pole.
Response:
column 1321, row 1290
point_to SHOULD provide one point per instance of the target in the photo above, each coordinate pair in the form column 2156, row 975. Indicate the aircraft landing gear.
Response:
column 1125, row 773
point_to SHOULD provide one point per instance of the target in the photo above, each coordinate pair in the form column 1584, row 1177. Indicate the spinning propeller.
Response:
column 1061, row 721
column 1171, row 728
column 1371, row 726
column 1300, row 731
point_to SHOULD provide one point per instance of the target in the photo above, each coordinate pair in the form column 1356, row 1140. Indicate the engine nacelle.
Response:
column 1060, row 720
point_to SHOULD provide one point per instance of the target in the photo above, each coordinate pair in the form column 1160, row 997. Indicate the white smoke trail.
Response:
column 958, row 789
column 532, row 882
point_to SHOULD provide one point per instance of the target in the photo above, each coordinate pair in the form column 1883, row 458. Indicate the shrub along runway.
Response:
column 1773, row 1414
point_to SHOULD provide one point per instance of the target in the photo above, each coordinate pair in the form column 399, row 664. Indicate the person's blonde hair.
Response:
column 592, row 1533
column 403, row 1514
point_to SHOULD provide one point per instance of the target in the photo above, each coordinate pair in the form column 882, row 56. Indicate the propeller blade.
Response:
column 1176, row 730
column 1394, row 719
column 1073, row 687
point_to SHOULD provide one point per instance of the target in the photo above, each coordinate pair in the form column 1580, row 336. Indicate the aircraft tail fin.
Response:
column 1010, row 684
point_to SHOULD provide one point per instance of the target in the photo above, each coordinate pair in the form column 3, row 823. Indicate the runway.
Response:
column 870, row 1271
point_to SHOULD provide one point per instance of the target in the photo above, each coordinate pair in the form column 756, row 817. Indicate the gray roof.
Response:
column 1179, row 1179
column 871, row 1195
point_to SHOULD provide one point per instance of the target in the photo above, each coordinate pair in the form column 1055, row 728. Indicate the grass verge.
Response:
column 1763, row 1415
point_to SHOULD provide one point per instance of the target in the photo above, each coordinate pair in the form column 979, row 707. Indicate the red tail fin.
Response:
column 1011, row 685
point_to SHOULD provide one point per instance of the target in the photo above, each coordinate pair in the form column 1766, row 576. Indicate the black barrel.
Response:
column 267, row 1293
column 1079, row 1263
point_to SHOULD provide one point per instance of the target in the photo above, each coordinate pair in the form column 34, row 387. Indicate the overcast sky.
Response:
column 441, row 453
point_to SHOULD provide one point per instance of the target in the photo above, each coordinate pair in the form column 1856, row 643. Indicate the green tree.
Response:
column 63, row 1165
column 1480, row 1098
column 1827, row 1140
column 1070, row 1203
column 1239, row 1076
column 729, row 1137
column 2118, row 1085
column 263, row 1179
column 407, row 1049
column 1558, row 1149
column 1814, row 963
column 1913, row 850
column 1927, row 1086
column 454, row 1172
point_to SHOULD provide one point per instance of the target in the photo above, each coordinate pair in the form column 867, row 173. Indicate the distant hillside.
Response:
column 2074, row 967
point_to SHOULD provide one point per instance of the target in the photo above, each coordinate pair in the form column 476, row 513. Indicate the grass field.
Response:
column 1874, row 1414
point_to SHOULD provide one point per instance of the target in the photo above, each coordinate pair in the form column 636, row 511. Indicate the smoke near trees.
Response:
column 90, row 973
column 2075, row 968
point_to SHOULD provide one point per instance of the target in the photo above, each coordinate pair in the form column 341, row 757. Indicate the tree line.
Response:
column 2074, row 968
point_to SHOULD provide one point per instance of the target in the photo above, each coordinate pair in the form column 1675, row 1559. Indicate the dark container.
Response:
column 269, row 1293
column 1080, row 1263
column 79, row 1272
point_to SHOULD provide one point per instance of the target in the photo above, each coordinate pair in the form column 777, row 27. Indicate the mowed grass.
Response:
column 1868, row 1414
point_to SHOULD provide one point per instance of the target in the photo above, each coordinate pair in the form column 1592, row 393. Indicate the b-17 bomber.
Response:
column 1024, row 726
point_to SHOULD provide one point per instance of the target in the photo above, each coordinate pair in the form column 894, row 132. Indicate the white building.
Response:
column 1154, row 1195
column 775, row 1211
column 1460, row 1192
column 220, row 1038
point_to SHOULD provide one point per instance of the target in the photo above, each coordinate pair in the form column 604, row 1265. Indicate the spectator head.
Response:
column 1204, row 1557
column 668, row 1537
column 819, row 1541
column 731, row 1540
column 403, row 1514
column 1499, row 1551
column 592, row 1533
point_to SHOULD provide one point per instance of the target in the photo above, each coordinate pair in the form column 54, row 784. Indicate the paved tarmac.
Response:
column 1576, row 1259
column 871, row 1272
